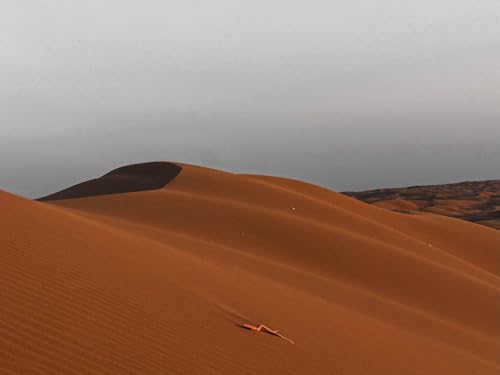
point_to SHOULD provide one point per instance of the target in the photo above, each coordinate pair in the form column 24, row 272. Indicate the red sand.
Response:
column 160, row 282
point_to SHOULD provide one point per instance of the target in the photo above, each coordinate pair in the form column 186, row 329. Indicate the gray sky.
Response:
column 351, row 94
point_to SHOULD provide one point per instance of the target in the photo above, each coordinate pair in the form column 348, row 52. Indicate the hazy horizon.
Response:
column 348, row 95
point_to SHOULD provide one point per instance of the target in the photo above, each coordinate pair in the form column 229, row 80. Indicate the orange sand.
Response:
column 160, row 282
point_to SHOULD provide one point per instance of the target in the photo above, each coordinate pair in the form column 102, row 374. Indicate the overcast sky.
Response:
column 350, row 94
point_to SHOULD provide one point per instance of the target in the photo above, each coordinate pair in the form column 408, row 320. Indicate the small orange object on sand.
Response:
column 249, row 326
column 263, row 328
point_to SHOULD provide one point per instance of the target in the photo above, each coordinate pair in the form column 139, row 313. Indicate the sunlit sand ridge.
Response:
column 157, row 276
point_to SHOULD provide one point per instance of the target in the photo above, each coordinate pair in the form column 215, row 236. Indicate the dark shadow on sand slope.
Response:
column 131, row 178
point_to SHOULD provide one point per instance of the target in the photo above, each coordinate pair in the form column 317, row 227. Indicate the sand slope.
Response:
column 157, row 282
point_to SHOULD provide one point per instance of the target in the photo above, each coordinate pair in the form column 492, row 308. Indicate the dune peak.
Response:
column 126, row 179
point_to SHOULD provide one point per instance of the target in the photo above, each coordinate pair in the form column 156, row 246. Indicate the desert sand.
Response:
column 153, row 269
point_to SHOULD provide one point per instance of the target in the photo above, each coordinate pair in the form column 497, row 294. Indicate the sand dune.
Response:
column 157, row 275
column 137, row 177
column 478, row 201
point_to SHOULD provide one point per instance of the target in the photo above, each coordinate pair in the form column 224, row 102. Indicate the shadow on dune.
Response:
column 131, row 178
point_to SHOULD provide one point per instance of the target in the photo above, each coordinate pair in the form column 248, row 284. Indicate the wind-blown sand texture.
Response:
column 477, row 201
column 160, row 282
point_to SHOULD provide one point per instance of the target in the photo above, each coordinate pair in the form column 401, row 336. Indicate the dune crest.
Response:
column 127, row 179
column 162, row 280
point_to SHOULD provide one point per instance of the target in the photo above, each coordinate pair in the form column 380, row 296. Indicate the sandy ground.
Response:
column 160, row 282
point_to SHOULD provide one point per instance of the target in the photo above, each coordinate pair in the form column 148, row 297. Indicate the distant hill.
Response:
column 477, row 201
